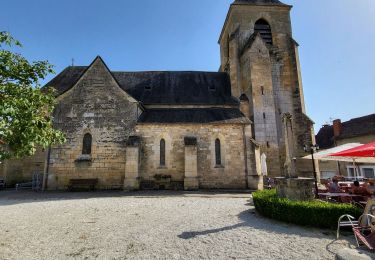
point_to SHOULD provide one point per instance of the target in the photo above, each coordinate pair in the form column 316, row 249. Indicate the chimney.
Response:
column 337, row 128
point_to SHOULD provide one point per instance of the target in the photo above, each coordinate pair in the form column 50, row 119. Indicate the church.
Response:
column 187, row 129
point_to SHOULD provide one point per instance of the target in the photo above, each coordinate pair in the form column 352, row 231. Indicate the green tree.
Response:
column 25, row 108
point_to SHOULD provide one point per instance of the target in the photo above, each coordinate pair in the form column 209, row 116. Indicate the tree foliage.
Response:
column 25, row 108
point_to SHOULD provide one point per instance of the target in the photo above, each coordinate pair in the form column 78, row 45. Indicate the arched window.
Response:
column 217, row 152
column 87, row 141
column 162, row 152
column 264, row 29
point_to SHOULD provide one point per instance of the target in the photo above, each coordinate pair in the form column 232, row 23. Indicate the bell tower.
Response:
column 259, row 53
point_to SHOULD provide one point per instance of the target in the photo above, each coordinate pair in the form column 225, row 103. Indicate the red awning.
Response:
column 367, row 150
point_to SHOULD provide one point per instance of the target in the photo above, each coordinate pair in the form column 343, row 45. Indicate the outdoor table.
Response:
column 337, row 195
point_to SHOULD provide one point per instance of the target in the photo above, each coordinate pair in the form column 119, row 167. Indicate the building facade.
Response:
column 188, row 130
column 357, row 130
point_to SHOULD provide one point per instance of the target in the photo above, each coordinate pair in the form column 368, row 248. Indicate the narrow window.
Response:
column 87, row 141
column 264, row 115
column 268, row 144
column 217, row 152
column 264, row 29
column 262, row 90
column 162, row 152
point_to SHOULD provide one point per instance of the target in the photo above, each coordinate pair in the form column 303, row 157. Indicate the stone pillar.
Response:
column 132, row 179
column 290, row 163
column 191, row 181
column 254, row 176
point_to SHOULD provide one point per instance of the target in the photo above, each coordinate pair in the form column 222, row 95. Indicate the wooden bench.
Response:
column 82, row 184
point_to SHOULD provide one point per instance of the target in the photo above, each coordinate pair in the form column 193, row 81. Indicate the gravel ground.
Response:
column 150, row 225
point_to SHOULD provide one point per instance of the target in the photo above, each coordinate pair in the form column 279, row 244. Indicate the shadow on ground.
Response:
column 251, row 220
column 12, row 197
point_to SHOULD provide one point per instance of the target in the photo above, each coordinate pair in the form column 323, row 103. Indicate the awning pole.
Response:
column 355, row 170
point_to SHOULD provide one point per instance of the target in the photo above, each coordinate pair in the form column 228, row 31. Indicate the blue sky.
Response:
column 336, row 38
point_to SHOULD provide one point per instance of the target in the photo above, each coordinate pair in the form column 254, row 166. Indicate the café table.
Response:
column 338, row 196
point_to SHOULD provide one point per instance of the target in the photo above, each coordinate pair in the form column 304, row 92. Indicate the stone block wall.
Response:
column 95, row 105
column 231, row 174
column 22, row 170
column 257, row 83
column 243, row 18
column 295, row 188
column 132, row 180
column 271, row 78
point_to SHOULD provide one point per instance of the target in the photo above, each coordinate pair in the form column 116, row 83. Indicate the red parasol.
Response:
column 367, row 150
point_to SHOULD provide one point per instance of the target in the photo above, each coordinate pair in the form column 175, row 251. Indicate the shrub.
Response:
column 306, row 213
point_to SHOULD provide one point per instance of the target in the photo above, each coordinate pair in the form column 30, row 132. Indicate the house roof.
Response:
column 210, row 115
column 161, row 87
column 358, row 126
column 355, row 127
column 259, row 2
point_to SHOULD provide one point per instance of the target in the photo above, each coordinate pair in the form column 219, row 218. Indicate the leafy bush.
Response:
column 307, row 213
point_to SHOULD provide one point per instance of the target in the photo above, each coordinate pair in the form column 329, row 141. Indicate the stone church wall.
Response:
column 275, row 68
column 95, row 105
column 256, row 73
column 230, row 175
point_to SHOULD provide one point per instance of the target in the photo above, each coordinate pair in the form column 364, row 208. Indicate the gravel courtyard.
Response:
column 150, row 225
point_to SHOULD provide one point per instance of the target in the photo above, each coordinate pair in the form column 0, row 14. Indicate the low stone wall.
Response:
column 295, row 188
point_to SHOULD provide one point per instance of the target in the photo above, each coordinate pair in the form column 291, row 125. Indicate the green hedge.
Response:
column 307, row 213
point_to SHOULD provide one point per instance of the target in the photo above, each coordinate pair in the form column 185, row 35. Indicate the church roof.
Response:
column 155, row 87
column 259, row 2
column 197, row 116
column 169, row 87
column 66, row 79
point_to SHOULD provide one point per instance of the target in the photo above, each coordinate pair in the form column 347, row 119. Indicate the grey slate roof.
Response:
column 259, row 2
column 190, row 87
column 177, row 87
column 66, row 79
column 358, row 126
column 198, row 115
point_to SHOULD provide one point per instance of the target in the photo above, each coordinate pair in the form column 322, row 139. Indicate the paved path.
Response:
column 150, row 225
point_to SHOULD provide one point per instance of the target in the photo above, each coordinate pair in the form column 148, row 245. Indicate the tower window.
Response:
column 264, row 29
column 87, row 142
column 162, row 152
column 217, row 152
column 264, row 115
column 262, row 90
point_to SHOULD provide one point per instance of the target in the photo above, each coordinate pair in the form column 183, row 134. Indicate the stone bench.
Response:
column 82, row 184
